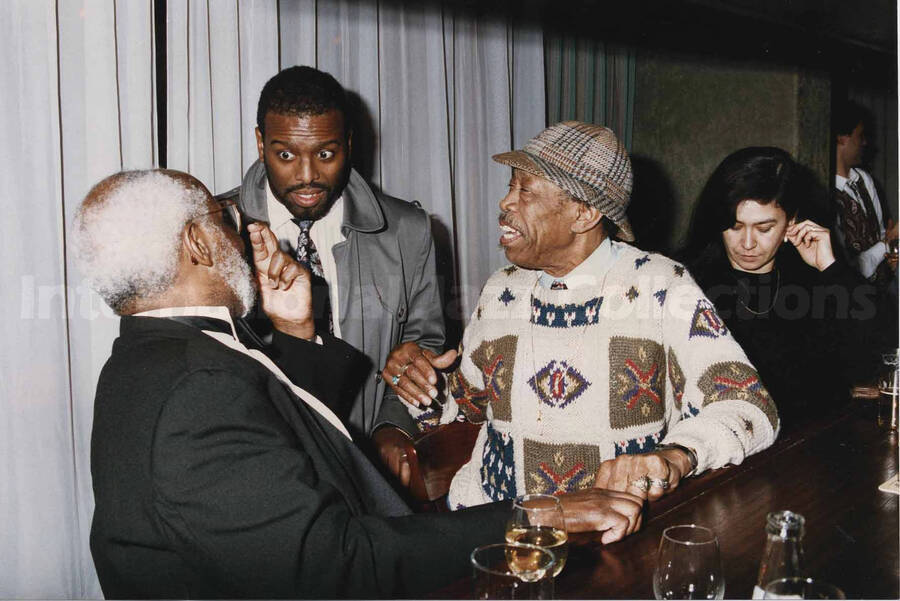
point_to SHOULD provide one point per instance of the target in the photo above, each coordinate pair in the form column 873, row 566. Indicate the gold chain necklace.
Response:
column 532, row 321
column 774, row 299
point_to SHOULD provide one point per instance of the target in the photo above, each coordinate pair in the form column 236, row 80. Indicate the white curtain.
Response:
column 440, row 91
column 77, row 105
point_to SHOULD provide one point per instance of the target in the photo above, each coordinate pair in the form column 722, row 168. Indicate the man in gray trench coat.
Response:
column 371, row 255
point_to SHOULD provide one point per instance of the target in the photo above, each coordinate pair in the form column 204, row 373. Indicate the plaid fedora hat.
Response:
column 585, row 160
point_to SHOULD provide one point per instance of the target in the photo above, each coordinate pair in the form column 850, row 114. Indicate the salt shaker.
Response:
column 783, row 554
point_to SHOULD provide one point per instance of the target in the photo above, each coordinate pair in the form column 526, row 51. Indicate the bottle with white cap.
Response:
column 783, row 554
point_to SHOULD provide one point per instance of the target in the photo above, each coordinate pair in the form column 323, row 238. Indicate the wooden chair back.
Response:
column 436, row 456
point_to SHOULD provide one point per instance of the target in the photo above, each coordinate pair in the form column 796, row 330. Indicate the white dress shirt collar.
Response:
column 586, row 272
column 840, row 182
column 325, row 232
column 215, row 312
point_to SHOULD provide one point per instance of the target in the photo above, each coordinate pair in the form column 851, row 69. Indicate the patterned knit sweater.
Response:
column 565, row 379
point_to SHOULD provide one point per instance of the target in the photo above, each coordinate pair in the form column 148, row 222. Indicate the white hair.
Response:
column 127, row 239
column 234, row 270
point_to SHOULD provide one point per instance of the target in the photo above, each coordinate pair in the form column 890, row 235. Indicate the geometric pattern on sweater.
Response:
column 565, row 316
column 706, row 322
column 676, row 377
column 586, row 420
column 495, row 360
column 498, row 467
column 734, row 380
column 506, row 296
column 554, row 469
column 637, row 382
column 641, row 444
column 472, row 401
column 429, row 419
column 557, row 384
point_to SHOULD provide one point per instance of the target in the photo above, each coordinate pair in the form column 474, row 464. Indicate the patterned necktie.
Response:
column 308, row 256
column 558, row 285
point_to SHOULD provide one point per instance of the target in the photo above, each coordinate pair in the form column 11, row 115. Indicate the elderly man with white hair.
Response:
column 215, row 474
column 588, row 362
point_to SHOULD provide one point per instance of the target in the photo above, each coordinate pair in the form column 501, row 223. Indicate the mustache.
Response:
column 309, row 186
column 503, row 218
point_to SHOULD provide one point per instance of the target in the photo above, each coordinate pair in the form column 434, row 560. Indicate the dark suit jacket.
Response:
column 211, row 479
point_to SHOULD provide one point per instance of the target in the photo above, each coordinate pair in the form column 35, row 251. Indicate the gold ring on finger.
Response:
column 642, row 483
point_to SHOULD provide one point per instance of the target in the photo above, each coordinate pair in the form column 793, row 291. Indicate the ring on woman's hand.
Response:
column 642, row 484
column 405, row 367
column 395, row 379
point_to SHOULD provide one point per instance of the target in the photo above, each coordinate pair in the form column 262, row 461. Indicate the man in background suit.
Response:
column 215, row 474
column 864, row 224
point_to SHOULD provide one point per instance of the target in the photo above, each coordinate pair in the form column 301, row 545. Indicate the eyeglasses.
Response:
column 230, row 214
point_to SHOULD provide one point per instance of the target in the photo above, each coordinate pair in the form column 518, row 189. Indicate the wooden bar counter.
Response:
column 828, row 470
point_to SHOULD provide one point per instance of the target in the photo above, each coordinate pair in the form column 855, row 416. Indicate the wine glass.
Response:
column 893, row 248
column 512, row 571
column 538, row 520
column 802, row 588
column 888, row 392
column 688, row 564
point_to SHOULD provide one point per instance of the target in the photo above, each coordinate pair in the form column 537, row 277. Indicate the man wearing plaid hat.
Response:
column 588, row 361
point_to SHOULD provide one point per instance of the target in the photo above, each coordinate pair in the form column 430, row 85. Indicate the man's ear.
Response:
column 260, row 147
column 586, row 218
column 197, row 245
column 842, row 139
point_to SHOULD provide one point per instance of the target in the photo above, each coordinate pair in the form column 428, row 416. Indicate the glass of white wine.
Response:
column 538, row 520
column 688, row 565
column 512, row 571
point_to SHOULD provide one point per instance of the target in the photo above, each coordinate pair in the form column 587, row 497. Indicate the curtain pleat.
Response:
column 591, row 81
column 77, row 106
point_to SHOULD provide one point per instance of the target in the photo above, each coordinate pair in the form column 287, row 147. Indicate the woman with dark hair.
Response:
column 808, row 322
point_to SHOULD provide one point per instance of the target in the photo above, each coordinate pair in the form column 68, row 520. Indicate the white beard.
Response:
column 236, row 273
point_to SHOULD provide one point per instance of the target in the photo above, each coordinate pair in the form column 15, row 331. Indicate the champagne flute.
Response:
column 538, row 520
column 688, row 564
